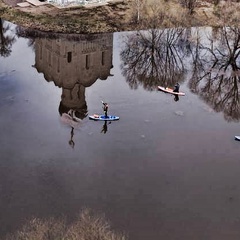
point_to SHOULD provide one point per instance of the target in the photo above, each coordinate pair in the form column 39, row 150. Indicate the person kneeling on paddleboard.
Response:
column 105, row 109
column 176, row 87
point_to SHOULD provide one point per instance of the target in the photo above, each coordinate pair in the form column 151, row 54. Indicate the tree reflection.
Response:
column 216, row 71
column 6, row 39
column 154, row 57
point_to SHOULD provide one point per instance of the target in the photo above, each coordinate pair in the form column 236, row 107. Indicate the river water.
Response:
column 166, row 170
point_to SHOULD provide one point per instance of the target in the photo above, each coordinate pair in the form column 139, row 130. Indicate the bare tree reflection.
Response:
column 154, row 57
column 216, row 71
column 6, row 38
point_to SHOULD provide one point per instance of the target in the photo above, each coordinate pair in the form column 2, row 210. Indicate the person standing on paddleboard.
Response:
column 176, row 87
column 105, row 109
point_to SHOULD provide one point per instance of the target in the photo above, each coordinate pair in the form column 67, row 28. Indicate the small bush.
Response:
column 86, row 227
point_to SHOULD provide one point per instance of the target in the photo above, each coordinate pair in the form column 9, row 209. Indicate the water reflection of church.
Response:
column 74, row 65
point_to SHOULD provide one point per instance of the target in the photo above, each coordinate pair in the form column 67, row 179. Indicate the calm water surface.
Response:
column 166, row 170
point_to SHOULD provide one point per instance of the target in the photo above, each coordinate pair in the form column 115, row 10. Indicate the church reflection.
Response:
column 73, row 66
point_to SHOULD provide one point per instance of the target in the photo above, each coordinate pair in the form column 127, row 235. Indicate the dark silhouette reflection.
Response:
column 73, row 63
column 176, row 98
column 105, row 127
column 73, row 108
column 73, row 119
column 216, row 71
column 7, row 38
column 71, row 142
column 154, row 57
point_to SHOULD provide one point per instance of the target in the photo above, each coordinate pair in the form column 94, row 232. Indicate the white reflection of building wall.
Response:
column 74, row 65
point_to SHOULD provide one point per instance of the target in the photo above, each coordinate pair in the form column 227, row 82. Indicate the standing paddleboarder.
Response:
column 176, row 88
column 105, row 109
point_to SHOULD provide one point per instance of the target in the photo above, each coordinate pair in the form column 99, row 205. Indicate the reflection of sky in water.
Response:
column 19, row 71
column 166, row 169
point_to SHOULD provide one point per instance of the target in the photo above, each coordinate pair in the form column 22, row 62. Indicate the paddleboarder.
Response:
column 105, row 109
column 176, row 87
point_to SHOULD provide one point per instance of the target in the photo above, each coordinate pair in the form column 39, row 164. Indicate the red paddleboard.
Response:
column 170, row 90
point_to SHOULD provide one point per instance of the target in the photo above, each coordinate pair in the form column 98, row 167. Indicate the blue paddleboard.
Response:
column 237, row 138
column 103, row 118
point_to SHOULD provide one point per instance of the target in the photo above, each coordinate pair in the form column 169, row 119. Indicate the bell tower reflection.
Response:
column 74, row 65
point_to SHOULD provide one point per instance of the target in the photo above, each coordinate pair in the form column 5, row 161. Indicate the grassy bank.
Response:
column 119, row 16
column 108, row 18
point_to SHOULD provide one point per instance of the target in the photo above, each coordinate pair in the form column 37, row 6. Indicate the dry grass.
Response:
column 116, row 16
column 86, row 227
column 228, row 13
column 112, row 17
column 167, row 14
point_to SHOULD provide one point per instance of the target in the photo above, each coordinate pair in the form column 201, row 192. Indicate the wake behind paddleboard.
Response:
column 97, row 117
column 170, row 90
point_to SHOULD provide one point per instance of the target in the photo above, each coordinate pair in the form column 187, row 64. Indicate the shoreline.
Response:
column 115, row 16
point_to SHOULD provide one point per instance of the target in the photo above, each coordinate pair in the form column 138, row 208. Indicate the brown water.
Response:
column 166, row 170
